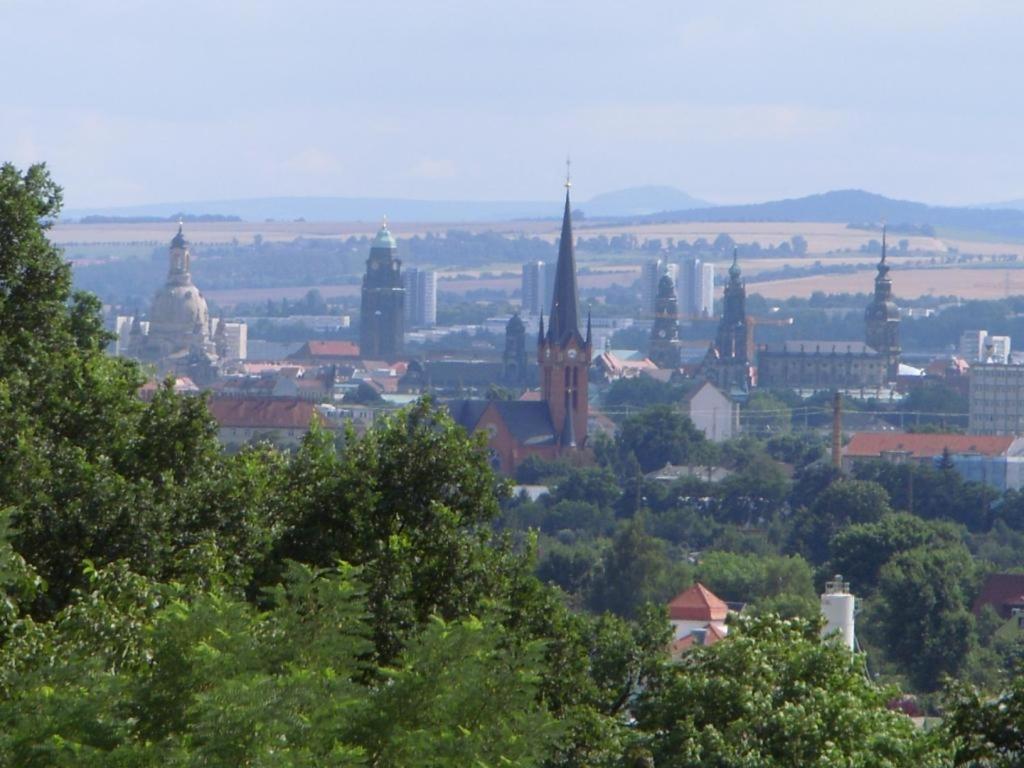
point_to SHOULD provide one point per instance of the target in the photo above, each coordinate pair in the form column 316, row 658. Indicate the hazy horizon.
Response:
column 138, row 103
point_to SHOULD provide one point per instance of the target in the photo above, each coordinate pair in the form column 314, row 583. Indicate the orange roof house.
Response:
column 698, row 603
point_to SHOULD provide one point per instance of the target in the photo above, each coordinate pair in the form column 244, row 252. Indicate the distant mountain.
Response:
column 1014, row 205
column 339, row 209
column 854, row 205
column 626, row 202
column 637, row 201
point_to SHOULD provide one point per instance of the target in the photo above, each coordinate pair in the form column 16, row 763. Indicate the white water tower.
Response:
column 838, row 607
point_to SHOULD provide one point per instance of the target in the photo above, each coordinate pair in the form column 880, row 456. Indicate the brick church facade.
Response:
column 556, row 424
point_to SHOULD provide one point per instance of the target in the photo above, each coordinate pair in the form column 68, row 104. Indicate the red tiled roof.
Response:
column 332, row 349
column 1001, row 591
column 263, row 412
column 926, row 445
column 698, row 603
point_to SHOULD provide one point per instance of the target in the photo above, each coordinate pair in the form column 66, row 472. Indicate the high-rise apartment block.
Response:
column 695, row 288
column 420, row 297
column 538, row 287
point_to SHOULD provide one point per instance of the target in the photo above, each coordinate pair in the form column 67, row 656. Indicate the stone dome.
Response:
column 177, row 310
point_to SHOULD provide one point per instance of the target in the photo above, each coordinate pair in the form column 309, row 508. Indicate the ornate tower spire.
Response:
column 565, row 316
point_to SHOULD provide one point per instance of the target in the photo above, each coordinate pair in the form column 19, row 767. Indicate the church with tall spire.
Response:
column 554, row 425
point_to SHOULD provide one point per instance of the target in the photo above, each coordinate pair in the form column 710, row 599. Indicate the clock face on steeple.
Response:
column 572, row 354
column 662, row 333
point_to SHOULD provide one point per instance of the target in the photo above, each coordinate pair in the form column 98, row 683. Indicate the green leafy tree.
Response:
column 636, row 569
column 986, row 730
column 773, row 694
column 661, row 435
column 923, row 612
column 842, row 503
column 859, row 551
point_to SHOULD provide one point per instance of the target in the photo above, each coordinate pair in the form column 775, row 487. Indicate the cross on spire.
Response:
column 568, row 172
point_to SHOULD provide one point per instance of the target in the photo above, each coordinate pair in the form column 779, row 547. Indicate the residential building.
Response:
column 382, row 310
column 695, row 288
column 697, row 616
column 995, row 400
column 420, row 297
column 995, row 460
column 714, row 413
column 280, row 420
column 983, row 347
column 537, row 287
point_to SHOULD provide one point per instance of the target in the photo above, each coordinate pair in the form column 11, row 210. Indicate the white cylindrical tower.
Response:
column 838, row 608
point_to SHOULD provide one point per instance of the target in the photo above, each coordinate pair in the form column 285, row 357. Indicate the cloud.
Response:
column 313, row 162
column 433, row 168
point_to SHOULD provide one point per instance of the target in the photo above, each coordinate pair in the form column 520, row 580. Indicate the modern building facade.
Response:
column 695, row 288
column 420, row 297
column 382, row 311
column 537, row 287
column 995, row 400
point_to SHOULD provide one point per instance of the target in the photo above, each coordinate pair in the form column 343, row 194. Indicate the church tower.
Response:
column 664, row 348
column 513, row 360
column 382, row 310
column 882, row 320
column 562, row 352
column 728, row 363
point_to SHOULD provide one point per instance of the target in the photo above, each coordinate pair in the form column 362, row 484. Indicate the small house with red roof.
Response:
column 698, row 617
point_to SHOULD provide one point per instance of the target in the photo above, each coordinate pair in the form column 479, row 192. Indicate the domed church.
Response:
column 180, row 337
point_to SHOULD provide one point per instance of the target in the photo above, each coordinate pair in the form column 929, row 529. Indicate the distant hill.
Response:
column 637, row 201
column 626, row 202
column 854, row 205
column 339, row 209
column 1014, row 205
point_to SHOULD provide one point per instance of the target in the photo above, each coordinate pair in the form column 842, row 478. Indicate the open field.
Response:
column 989, row 283
column 830, row 244
column 274, row 231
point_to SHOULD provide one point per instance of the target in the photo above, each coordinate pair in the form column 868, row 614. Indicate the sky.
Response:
column 143, row 102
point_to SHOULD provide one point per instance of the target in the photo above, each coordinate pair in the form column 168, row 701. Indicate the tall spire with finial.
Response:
column 565, row 316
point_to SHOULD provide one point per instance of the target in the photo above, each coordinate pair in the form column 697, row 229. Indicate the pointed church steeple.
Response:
column 565, row 315
column 540, row 334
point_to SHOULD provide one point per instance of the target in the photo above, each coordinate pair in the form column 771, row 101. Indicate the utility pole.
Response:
column 837, row 430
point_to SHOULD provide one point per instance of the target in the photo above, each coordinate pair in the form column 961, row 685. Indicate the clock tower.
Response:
column 664, row 348
column 563, row 353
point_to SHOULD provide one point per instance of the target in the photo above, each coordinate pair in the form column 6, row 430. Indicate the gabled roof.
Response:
column 263, row 412
column 1002, row 591
column 924, row 445
column 698, row 603
column 529, row 422
column 314, row 349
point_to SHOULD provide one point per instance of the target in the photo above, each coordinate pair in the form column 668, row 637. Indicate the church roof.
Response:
column 564, row 320
column 528, row 421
